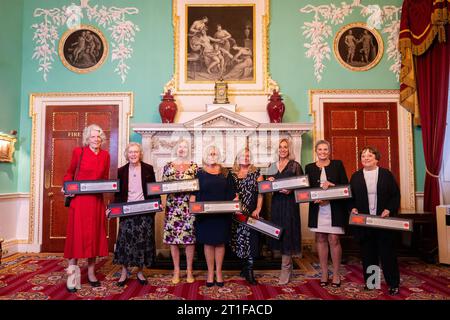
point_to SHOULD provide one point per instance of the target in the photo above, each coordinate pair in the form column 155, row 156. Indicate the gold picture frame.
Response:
column 83, row 49
column 358, row 47
column 7, row 147
column 248, row 30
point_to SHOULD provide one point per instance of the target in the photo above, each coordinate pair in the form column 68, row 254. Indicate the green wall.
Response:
column 11, row 24
column 152, row 66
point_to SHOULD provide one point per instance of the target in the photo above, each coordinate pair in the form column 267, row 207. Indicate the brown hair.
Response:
column 372, row 150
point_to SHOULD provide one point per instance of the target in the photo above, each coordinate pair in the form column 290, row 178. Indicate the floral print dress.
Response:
column 178, row 223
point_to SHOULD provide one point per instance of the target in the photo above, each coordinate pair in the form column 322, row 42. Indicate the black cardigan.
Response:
column 147, row 176
column 388, row 193
column 336, row 174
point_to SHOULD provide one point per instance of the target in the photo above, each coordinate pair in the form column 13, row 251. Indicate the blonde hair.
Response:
column 206, row 152
column 134, row 144
column 236, row 166
column 177, row 144
column 322, row 142
column 87, row 134
column 291, row 155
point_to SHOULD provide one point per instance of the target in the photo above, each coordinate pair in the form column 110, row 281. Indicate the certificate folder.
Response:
column 371, row 221
column 212, row 207
column 287, row 183
column 91, row 186
column 332, row 193
column 177, row 186
column 266, row 227
column 126, row 209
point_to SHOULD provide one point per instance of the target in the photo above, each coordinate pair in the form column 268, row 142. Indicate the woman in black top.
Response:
column 327, row 218
column 376, row 192
column 285, row 211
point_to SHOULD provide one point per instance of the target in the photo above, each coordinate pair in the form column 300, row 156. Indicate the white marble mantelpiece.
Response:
column 229, row 130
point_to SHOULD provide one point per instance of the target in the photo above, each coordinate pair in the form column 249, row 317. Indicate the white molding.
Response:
column 405, row 136
column 38, row 104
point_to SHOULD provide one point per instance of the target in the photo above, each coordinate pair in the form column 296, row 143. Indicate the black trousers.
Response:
column 380, row 245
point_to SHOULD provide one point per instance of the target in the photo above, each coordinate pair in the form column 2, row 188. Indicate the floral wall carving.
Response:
column 318, row 31
column 53, row 22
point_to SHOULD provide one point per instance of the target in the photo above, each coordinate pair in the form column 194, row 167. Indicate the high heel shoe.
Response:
column 175, row 279
column 190, row 278
column 336, row 285
column 210, row 284
column 122, row 283
column 323, row 283
column 220, row 284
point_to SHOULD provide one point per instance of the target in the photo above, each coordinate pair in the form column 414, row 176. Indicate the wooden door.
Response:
column 63, row 132
column 351, row 126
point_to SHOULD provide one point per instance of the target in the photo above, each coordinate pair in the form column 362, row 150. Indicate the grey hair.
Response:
column 87, row 133
column 134, row 144
column 208, row 150
column 177, row 144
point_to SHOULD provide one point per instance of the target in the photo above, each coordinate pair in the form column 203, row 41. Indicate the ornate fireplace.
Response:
column 229, row 130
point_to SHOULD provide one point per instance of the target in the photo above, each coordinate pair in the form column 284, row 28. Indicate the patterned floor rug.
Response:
column 42, row 277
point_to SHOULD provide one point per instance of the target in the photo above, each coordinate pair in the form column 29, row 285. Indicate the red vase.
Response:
column 275, row 107
column 168, row 108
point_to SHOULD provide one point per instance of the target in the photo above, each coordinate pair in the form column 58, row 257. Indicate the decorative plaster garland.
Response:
column 319, row 30
column 122, row 32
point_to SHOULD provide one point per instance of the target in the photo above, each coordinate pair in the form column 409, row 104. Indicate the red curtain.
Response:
column 432, row 92
column 424, row 80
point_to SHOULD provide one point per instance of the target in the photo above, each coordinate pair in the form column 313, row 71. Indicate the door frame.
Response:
column 317, row 98
column 37, row 111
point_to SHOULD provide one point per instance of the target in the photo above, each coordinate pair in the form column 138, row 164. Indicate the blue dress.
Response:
column 214, row 229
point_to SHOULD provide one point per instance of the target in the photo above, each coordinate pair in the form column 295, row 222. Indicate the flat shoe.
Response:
column 94, row 284
column 73, row 290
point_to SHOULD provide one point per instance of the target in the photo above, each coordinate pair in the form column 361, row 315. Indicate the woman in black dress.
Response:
column 135, row 246
column 285, row 211
column 244, row 240
column 327, row 218
column 215, row 184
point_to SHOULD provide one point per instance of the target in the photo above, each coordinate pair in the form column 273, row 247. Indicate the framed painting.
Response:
column 221, row 39
column 358, row 47
column 7, row 147
column 83, row 49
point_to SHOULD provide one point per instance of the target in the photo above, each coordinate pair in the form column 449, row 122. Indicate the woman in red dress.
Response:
column 86, row 226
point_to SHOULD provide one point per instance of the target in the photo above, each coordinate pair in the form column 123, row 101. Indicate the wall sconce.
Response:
column 7, row 142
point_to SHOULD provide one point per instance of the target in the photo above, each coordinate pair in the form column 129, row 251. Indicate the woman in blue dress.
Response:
column 215, row 184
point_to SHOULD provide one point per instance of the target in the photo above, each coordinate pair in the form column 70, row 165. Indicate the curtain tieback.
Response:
column 430, row 174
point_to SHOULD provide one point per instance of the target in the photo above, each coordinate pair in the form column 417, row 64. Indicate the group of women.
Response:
column 374, row 189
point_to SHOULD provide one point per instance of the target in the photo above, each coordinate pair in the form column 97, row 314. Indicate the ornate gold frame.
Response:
column 63, row 40
column 373, row 32
column 262, row 84
column 7, row 156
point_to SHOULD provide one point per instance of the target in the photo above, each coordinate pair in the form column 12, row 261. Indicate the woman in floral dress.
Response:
column 244, row 241
column 179, row 223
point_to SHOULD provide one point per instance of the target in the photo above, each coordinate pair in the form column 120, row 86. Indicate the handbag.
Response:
column 68, row 199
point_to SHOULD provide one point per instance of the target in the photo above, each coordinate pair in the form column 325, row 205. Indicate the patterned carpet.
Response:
column 42, row 277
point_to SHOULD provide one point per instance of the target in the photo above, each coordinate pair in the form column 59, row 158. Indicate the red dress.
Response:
column 86, row 226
